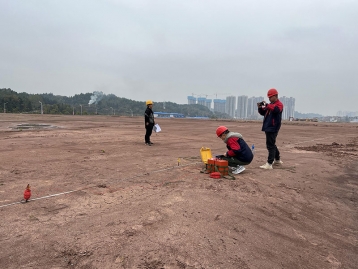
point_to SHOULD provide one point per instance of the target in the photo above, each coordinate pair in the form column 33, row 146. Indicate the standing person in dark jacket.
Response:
column 271, row 125
column 239, row 153
column 149, row 122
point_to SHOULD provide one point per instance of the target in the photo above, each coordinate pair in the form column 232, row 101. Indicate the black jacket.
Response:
column 149, row 117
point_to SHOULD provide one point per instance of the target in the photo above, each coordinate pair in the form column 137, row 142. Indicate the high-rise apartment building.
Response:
column 347, row 113
column 219, row 105
column 241, row 111
column 201, row 101
column 252, row 112
column 191, row 100
column 208, row 103
column 230, row 106
column 288, row 107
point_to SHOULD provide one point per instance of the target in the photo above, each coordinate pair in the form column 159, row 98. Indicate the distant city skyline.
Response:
column 347, row 113
column 245, row 107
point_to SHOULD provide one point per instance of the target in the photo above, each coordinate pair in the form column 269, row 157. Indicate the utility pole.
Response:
column 42, row 111
column 5, row 107
column 112, row 110
column 81, row 109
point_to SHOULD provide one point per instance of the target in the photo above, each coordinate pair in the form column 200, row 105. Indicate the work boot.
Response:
column 147, row 144
column 277, row 162
column 266, row 166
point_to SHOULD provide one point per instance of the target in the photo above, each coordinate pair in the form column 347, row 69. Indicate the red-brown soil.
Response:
column 102, row 199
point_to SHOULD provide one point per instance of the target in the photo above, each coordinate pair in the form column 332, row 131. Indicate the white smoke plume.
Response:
column 96, row 97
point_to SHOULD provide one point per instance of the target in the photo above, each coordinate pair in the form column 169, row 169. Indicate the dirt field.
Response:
column 102, row 199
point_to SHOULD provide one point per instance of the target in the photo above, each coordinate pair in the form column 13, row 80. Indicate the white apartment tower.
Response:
column 241, row 107
column 252, row 112
column 288, row 107
column 230, row 106
column 219, row 105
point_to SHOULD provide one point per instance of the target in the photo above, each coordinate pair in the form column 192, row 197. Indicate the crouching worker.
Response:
column 239, row 153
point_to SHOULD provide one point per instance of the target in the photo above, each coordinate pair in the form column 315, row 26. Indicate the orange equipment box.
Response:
column 221, row 166
column 210, row 167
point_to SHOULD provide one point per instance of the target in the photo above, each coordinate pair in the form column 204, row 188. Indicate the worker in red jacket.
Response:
column 239, row 153
column 272, row 113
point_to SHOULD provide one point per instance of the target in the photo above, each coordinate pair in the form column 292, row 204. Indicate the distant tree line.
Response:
column 78, row 104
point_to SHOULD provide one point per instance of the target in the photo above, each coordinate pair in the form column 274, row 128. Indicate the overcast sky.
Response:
column 166, row 50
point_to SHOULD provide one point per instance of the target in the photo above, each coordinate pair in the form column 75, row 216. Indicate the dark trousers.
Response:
column 273, row 152
column 148, row 132
column 233, row 161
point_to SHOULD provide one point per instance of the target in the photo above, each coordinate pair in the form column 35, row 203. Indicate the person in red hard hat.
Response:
column 272, row 113
column 239, row 153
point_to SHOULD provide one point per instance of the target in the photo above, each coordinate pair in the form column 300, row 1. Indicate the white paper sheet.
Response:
column 157, row 128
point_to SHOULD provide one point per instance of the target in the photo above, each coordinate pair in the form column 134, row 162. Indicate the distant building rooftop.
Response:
column 168, row 115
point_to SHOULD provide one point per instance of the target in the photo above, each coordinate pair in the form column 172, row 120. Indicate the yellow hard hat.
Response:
column 149, row 102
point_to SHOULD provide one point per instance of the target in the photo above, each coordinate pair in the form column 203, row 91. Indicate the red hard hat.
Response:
column 220, row 130
column 272, row 92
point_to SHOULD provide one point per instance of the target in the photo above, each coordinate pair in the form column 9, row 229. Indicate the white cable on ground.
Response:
column 67, row 192
column 43, row 197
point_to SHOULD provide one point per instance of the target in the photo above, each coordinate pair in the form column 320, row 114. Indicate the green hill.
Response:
column 95, row 103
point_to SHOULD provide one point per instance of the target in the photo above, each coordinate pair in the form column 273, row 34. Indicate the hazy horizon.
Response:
column 168, row 50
